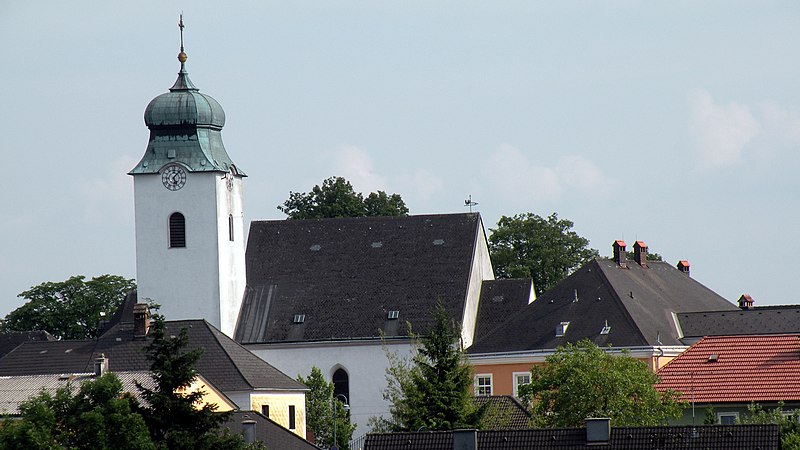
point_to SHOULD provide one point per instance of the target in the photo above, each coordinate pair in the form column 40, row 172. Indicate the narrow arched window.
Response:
column 177, row 230
column 230, row 227
column 341, row 385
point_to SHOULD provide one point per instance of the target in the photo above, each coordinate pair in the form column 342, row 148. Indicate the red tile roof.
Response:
column 747, row 368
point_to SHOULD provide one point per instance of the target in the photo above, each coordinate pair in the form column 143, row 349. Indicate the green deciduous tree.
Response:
column 177, row 419
column 97, row 416
column 320, row 407
column 788, row 421
column 544, row 249
column 336, row 198
column 432, row 390
column 582, row 380
column 70, row 309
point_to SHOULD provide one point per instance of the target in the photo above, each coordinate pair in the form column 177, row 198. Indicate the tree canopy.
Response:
column 544, row 249
column 582, row 380
column 337, row 198
column 321, row 408
column 432, row 390
column 70, row 309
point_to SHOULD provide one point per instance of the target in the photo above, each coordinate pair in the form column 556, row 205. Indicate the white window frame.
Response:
column 516, row 382
column 480, row 389
column 720, row 415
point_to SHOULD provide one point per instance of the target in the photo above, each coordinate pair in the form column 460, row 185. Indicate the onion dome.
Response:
column 185, row 128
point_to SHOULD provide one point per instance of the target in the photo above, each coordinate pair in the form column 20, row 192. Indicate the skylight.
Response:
column 394, row 314
column 561, row 329
column 606, row 329
column 299, row 318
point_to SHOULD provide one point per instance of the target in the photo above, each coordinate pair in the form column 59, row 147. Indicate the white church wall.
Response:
column 231, row 268
column 365, row 363
column 480, row 270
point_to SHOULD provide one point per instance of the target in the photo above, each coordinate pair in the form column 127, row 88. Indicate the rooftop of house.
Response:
column 501, row 299
column 611, row 304
column 15, row 390
column 745, row 321
column 10, row 340
column 503, row 413
column 224, row 363
column 737, row 369
column 701, row 437
column 267, row 431
column 354, row 278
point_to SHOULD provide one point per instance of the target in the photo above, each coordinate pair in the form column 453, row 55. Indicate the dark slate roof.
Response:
column 501, row 299
column 701, row 437
column 345, row 275
column 9, row 341
column 636, row 302
column 224, row 363
column 268, row 432
column 759, row 320
column 504, row 413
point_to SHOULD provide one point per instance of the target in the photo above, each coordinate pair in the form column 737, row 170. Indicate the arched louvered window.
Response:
column 341, row 385
column 230, row 227
column 177, row 230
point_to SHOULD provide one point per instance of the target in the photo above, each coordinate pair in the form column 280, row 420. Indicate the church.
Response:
column 332, row 293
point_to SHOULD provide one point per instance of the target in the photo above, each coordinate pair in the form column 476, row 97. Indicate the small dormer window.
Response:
column 394, row 314
column 299, row 318
column 606, row 329
column 561, row 329
column 713, row 358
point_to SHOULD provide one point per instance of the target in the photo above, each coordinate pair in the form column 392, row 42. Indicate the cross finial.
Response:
column 181, row 56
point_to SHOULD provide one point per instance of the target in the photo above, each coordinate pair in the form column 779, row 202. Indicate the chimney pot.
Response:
column 100, row 365
column 465, row 439
column 249, row 431
column 598, row 430
column 746, row 301
column 640, row 253
column 141, row 320
column 683, row 266
column 620, row 257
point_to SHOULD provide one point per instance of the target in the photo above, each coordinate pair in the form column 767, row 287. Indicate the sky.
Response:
column 676, row 123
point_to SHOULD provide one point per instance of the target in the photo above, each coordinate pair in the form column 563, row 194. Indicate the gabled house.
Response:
column 338, row 293
column 246, row 380
column 728, row 373
column 613, row 302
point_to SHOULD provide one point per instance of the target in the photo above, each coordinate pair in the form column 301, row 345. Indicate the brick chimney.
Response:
column 640, row 253
column 141, row 320
column 100, row 365
column 746, row 301
column 620, row 257
column 683, row 266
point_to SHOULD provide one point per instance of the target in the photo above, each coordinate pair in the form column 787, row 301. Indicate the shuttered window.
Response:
column 177, row 230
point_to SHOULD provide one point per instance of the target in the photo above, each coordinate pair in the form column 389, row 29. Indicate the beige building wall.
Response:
column 279, row 404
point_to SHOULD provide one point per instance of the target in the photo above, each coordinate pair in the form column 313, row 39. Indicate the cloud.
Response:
column 512, row 174
column 721, row 132
column 356, row 166
column 109, row 195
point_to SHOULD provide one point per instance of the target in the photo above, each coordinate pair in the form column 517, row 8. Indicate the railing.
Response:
column 358, row 443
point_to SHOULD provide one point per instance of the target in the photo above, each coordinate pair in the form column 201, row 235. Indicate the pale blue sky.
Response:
column 677, row 123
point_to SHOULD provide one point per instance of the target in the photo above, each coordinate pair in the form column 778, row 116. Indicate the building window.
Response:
column 341, row 385
column 230, row 227
column 265, row 410
column 292, row 421
column 520, row 379
column 727, row 418
column 483, row 384
column 177, row 230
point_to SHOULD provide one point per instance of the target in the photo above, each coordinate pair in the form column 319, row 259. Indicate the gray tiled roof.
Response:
column 267, row 431
column 636, row 302
column 17, row 389
column 224, row 363
column 346, row 275
column 10, row 340
column 759, row 320
column 500, row 300
column 701, row 437
column 504, row 413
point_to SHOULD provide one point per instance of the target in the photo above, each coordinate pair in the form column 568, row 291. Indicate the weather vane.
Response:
column 470, row 203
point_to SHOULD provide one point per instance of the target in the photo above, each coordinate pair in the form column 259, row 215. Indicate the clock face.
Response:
column 174, row 177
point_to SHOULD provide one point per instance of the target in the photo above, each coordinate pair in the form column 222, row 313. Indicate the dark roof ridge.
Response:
column 614, row 292
column 363, row 218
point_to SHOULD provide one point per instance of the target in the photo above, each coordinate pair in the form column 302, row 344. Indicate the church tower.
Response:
column 188, row 200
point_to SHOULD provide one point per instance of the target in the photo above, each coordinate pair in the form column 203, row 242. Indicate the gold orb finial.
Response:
column 182, row 57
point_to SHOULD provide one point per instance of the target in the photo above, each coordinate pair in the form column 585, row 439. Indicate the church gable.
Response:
column 354, row 278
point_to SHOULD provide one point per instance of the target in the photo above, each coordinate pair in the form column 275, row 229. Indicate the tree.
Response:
column 650, row 256
column 70, row 309
column 320, row 407
column 97, row 416
column 175, row 418
column 529, row 246
column 582, row 380
column 336, row 198
column 432, row 391
column 789, row 423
